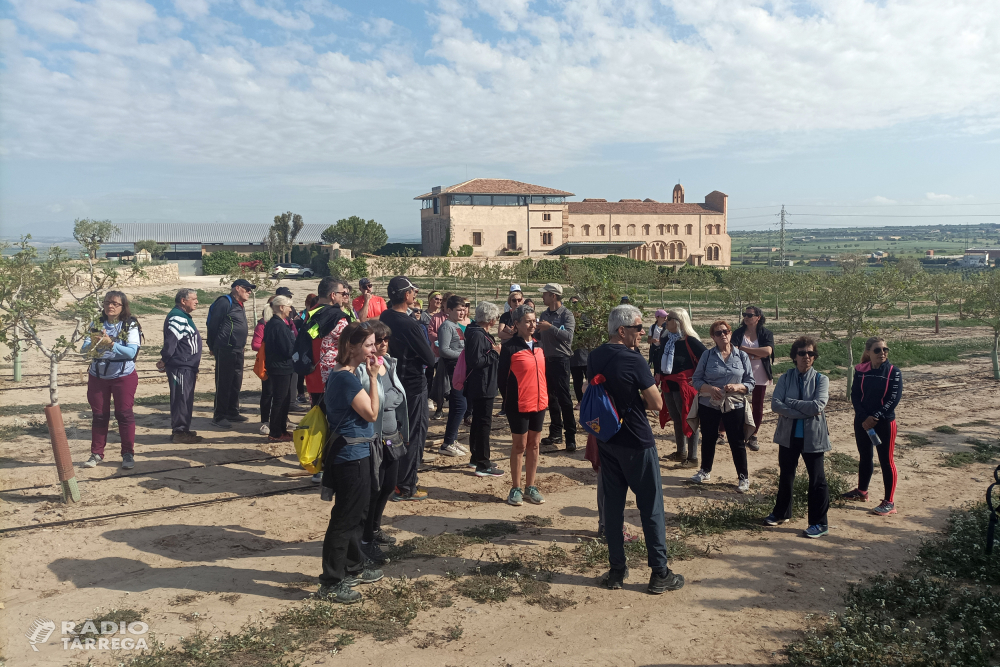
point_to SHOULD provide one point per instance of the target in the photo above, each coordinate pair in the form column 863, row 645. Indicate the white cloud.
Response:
column 880, row 200
column 54, row 208
column 933, row 196
column 121, row 82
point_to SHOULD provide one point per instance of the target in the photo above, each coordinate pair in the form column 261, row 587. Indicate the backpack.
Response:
column 458, row 376
column 208, row 319
column 309, row 437
column 597, row 411
column 302, row 354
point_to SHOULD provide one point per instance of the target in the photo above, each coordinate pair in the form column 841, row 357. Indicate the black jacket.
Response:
column 481, row 362
column 410, row 346
column 279, row 343
column 227, row 324
column 876, row 391
column 764, row 339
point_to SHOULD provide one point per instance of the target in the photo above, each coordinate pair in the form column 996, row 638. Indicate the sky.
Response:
column 236, row 110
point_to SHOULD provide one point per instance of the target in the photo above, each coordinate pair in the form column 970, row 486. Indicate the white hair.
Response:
column 487, row 312
column 519, row 313
column 280, row 300
column 622, row 316
column 684, row 321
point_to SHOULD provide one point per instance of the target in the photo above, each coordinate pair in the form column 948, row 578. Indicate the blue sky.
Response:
column 235, row 110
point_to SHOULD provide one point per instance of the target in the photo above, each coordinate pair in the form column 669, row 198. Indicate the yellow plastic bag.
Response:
column 309, row 437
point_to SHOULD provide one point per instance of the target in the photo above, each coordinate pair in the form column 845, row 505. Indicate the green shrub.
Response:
column 465, row 251
column 221, row 262
column 944, row 428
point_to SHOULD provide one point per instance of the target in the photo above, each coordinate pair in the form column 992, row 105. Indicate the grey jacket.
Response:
column 449, row 340
column 790, row 406
column 557, row 341
column 402, row 416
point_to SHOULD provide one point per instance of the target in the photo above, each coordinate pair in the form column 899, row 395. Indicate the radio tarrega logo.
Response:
column 110, row 635
column 39, row 632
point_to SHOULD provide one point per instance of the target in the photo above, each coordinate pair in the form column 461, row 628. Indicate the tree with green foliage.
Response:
column 434, row 267
column 839, row 307
column 220, row 262
column 914, row 278
column 281, row 236
column 360, row 236
column 258, row 273
column 746, row 287
column 92, row 234
column 359, row 267
column 691, row 279
column 941, row 288
column 155, row 249
column 984, row 305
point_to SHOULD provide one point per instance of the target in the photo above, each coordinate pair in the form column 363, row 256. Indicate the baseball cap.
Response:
column 365, row 283
column 400, row 284
column 515, row 287
column 245, row 284
column 660, row 312
column 284, row 291
column 555, row 288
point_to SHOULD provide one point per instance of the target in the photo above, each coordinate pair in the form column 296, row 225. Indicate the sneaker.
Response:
column 462, row 448
column 615, row 579
column 773, row 520
column 374, row 554
column 817, row 530
column 856, row 494
column 752, row 444
column 340, row 593
column 185, row 438
column 93, row 461
column 382, row 539
column 514, row 497
column 365, row 576
column 570, row 447
column 265, row 429
column 222, row 423
column 533, row 496
column 298, row 407
column 502, row 413
column 437, row 416
column 744, row 485
column 721, row 440
column 492, row 471
column 885, row 508
column 551, row 441
column 303, row 399
column 670, row 581
column 450, row 450
column 700, row 477
column 237, row 418
column 680, row 457
column 416, row 495
column 690, row 463
column 128, row 461
column 284, row 437
column 317, row 478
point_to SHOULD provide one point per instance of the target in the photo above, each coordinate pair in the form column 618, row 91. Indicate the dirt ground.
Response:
column 213, row 567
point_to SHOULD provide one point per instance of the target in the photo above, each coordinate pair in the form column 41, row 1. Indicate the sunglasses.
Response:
column 116, row 304
column 880, row 350
column 806, row 353
column 635, row 327
column 749, row 314
column 379, row 341
column 514, row 300
column 721, row 332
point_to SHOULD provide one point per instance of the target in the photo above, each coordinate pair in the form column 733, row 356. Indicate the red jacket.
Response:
column 522, row 374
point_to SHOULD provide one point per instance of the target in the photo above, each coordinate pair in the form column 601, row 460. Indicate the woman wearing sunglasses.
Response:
column 878, row 386
column 758, row 343
column 723, row 379
column 799, row 398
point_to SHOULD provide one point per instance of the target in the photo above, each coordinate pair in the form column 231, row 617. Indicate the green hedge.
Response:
column 221, row 262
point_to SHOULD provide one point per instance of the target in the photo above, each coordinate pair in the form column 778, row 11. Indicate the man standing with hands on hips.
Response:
column 227, row 338
column 555, row 333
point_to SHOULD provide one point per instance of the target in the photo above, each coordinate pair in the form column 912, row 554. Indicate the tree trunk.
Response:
column 908, row 309
column 53, row 380
column 995, row 355
column 850, row 366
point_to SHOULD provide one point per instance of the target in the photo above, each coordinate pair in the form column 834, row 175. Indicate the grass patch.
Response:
column 942, row 610
column 594, row 553
column 537, row 521
column 982, row 452
column 978, row 422
column 516, row 577
column 944, row 428
column 13, row 410
column 20, row 428
column 150, row 304
column 843, row 464
column 917, row 440
column 117, row 616
column 449, row 544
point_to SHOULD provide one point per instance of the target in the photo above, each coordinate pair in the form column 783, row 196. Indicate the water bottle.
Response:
column 874, row 436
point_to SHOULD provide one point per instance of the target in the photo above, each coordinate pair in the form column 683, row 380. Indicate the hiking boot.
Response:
column 222, row 423
column 492, row 471
column 93, row 461
column 450, row 450
column 185, row 438
column 885, row 508
column 236, row 418
column 437, row 416
column 690, row 463
column 265, row 429
column 365, row 576
column 515, row 497
column 571, row 447
column 669, row 581
column 128, row 461
column 551, row 441
column 416, row 495
column 676, row 456
column 700, row 477
column 773, row 520
column 340, row 593
column 856, row 494
column 382, row 539
column 615, row 579
column 752, row 444
column 744, row 485
column 818, row 530
column 533, row 496
column 374, row 554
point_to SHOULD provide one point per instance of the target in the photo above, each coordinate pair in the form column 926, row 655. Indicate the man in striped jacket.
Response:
column 180, row 358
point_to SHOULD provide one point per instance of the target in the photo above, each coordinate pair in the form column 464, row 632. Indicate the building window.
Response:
column 630, row 230
column 708, row 229
column 427, row 203
column 437, row 205
column 677, row 229
column 477, row 238
column 616, row 230
column 660, row 229
column 712, row 253
column 547, row 217
column 600, row 230
column 645, row 230
column 546, row 238
column 585, row 230
column 688, row 229
column 482, row 200
column 460, row 200
column 718, row 229
column 572, row 230
column 511, row 240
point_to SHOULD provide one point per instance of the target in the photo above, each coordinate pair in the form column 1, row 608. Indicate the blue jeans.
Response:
column 624, row 468
column 456, row 413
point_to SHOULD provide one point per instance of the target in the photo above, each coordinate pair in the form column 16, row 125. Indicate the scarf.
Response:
column 667, row 365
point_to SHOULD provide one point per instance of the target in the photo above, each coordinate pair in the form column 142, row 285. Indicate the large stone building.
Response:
column 500, row 217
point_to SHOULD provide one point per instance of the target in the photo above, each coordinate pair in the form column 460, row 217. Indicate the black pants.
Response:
column 266, row 396
column 886, row 431
column 181, row 381
column 733, row 423
column 300, row 385
column 342, row 546
column 280, row 385
column 228, row 381
column 819, row 494
column 579, row 373
column 387, row 474
column 317, row 399
column 561, row 415
column 479, row 433
column 417, row 409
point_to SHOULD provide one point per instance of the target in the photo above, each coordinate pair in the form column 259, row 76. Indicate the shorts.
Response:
column 522, row 422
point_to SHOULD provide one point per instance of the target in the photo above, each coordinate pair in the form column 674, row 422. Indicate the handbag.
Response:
column 259, row 368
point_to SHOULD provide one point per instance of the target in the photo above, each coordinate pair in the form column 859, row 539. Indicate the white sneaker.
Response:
column 462, row 448
column 93, row 461
column 701, row 477
column 744, row 485
column 265, row 429
column 450, row 450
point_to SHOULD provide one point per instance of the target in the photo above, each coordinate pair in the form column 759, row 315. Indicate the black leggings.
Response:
column 578, row 373
column 886, row 431
column 733, row 422
column 387, row 474
column 279, row 403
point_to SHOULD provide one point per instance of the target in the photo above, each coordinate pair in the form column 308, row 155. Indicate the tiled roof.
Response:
column 229, row 233
column 637, row 207
column 496, row 186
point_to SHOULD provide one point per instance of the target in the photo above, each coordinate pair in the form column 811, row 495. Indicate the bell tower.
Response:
column 678, row 194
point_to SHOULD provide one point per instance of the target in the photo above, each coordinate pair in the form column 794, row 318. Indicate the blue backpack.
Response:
column 597, row 411
column 208, row 319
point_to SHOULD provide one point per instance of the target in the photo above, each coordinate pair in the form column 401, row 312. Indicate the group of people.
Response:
column 373, row 364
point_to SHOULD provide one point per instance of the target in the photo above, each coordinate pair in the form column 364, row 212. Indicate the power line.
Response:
column 751, row 208
column 890, row 215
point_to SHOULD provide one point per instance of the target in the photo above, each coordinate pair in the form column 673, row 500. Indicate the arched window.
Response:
column 708, row 229
column 512, row 240
column 585, row 230
column 661, row 229
column 616, row 230
column 688, row 229
column 600, row 230
column 658, row 250
column 677, row 229
column 572, row 230
column 718, row 229
column 645, row 230
column 712, row 253
column 630, row 230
